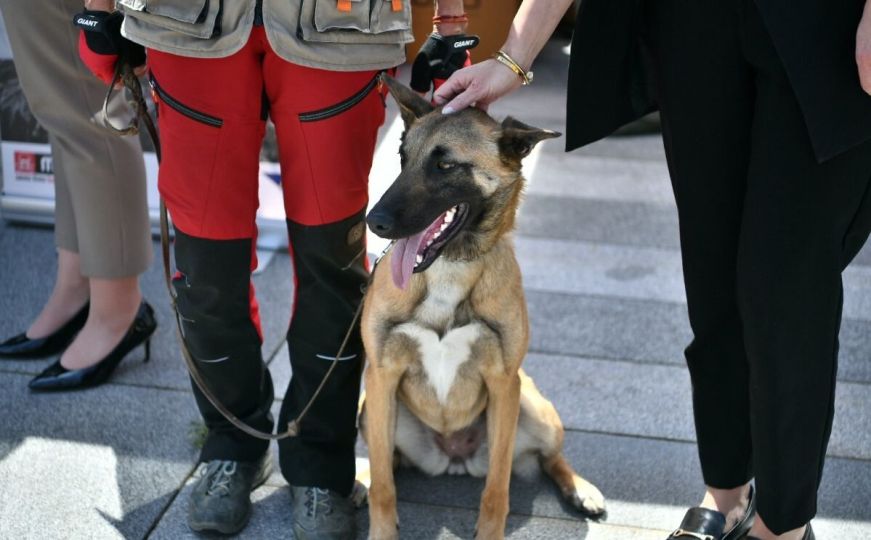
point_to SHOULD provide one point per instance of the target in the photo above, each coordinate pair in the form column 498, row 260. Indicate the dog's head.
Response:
column 459, row 187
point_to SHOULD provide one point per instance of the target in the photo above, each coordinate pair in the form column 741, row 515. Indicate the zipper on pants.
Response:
column 342, row 106
column 183, row 109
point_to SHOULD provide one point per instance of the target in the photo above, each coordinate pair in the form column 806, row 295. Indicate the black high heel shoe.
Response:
column 21, row 346
column 57, row 377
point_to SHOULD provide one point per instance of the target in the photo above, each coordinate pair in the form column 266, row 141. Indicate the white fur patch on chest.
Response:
column 446, row 288
column 442, row 358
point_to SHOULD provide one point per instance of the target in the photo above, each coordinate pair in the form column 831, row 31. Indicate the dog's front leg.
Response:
column 381, row 386
column 503, row 409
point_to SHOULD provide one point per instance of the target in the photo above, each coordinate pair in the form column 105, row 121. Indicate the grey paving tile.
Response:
column 564, row 266
column 647, row 483
column 280, row 370
column 567, row 266
column 609, row 222
column 642, row 147
column 590, row 177
column 608, row 327
column 864, row 256
column 616, row 397
column 647, row 400
column 28, row 263
column 655, row 401
column 271, row 519
column 101, row 463
column 603, row 327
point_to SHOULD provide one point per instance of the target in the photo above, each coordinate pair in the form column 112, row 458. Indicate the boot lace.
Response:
column 221, row 473
column 318, row 501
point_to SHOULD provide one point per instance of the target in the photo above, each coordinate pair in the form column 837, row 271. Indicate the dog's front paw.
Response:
column 383, row 519
column 383, row 532
column 587, row 498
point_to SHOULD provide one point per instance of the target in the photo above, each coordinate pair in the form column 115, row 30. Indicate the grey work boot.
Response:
column 221, row 500
column 321, row 514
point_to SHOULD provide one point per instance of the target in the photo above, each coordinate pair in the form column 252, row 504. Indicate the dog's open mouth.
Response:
column 416, row 253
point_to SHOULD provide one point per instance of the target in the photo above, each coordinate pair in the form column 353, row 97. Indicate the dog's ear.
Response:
column 517, row 139
column 411, row 105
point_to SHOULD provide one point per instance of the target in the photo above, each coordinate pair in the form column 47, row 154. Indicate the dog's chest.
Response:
column 444, row 352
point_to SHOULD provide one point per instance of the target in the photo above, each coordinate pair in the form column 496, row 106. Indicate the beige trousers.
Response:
column 100, row 198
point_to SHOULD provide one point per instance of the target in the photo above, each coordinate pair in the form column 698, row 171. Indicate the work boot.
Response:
column 321, row 514
column 221, row 500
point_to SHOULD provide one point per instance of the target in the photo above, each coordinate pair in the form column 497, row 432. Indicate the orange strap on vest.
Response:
column 344, row 5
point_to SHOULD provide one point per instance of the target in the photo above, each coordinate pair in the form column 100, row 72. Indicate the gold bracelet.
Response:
column 503, row 58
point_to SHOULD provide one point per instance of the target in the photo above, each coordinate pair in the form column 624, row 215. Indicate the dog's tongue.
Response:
column 403, row 258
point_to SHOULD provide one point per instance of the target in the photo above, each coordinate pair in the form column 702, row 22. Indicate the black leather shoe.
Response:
column 808, row 534
column 56, row 377
column 21, row 346
column 704, row 524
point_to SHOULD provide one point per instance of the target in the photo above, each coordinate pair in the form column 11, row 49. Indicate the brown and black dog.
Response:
column 444, row 322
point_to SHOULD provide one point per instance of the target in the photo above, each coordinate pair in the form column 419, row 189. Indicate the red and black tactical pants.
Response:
column 212, row 121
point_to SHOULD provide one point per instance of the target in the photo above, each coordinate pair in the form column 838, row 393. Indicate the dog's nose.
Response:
column 381, row 223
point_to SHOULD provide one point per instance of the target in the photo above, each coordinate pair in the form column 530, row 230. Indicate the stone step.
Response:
column 101, row 463
column 646, row 400
column 647, row 331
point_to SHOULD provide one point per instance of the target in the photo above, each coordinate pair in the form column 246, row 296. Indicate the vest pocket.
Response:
column 367, row 22
column 197, row 18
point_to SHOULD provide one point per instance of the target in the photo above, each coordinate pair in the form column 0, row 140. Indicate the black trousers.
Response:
column 220, row 330
column 765, row 232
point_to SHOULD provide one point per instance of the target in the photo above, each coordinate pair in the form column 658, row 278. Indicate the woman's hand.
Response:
column 478, row 85
column 863, row 48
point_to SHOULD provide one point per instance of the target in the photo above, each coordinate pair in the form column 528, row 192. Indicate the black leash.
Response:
column 124, row 74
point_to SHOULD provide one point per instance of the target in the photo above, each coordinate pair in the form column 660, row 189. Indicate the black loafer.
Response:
column 704, row 524
column 21, row 346
column 808, row 534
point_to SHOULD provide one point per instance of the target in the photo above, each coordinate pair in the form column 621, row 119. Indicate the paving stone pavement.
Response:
column 597, row 242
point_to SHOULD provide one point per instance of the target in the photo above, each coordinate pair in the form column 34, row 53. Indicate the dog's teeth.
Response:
column 419, row 259
column 428, row 244
column 449, row 216
column 444, row 226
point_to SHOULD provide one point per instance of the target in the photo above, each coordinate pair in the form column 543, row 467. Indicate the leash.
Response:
column 124, row 75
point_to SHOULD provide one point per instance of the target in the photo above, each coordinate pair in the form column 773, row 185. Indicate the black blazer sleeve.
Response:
column 608, row 84
column 816, row 40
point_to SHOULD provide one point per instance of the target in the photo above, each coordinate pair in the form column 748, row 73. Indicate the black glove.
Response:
column 438, row 58
column 104, row 44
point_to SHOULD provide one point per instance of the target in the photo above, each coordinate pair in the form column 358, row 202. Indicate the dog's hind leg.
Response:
column 540, row 430
column 416, row 443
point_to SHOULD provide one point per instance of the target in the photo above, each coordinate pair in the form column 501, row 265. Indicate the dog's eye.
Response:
column 445, row 165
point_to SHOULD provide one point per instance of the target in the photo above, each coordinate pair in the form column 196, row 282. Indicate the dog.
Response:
column 445, row 329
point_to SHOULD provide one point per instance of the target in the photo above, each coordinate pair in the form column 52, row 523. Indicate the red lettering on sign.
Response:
column 25, row 162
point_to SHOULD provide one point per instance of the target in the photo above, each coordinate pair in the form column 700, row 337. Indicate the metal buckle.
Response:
column 680, row 532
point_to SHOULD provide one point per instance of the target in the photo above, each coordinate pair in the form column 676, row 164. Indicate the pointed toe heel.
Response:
column 25, row 348
column 57, row 378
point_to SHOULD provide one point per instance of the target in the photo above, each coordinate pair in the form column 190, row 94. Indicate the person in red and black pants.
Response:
column 218, row 71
